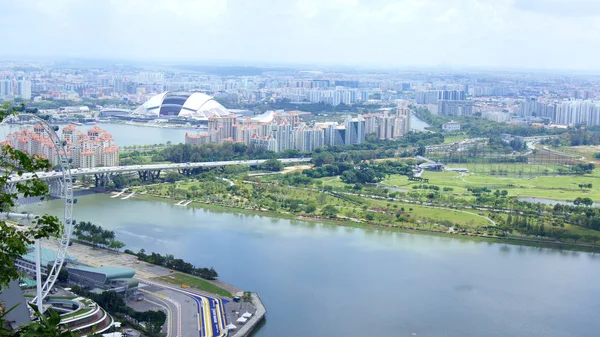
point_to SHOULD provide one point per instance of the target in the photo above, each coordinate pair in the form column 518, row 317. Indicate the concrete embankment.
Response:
column 247, row 329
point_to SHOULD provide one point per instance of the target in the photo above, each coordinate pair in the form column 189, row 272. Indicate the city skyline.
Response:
column 498, row 34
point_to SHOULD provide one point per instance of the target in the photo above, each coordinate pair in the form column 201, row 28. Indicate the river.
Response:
column 550, row 202
column 125, row 134
column 416, row 123
column 326, row 280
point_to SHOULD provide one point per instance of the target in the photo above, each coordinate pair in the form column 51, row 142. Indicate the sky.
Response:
column 517, row 34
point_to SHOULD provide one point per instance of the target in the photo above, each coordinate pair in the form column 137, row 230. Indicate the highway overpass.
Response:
column 151, row 167
column 146, row 172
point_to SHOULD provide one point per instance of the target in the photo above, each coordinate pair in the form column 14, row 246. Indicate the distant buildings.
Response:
column 455, row 108
column 434, row 96
column 10, row 89
column 279, row 131
column 92, row 149
column 570, row 112
column 495, row 116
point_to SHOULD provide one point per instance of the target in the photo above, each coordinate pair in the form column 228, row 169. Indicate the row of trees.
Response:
column 171, row 262
column 96, row 236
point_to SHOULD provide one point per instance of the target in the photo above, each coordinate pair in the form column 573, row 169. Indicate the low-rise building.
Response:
column 451, row 126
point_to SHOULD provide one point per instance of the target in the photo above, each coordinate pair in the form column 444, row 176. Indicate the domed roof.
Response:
column 193, row 105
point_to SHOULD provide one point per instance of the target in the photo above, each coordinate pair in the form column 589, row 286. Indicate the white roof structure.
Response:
column 266, row 117
column 242, row 320
column 231, row 326
column 194, row 105
column 247, row 315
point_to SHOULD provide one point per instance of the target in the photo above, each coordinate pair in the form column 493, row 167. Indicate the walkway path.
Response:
column 119, row 194
column 129, row 196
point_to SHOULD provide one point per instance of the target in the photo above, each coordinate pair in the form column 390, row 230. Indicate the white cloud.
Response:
column 490, row 33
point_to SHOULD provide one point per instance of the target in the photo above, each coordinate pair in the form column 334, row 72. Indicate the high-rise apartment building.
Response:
column 371, row 123
column 435, row 96
column 455, row 108
column 6, row 89
column 308, row 139
column 86, row 150
column 24, row 89
column 355, row 130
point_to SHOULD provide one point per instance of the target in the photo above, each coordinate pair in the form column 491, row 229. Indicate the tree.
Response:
column 323, row 158
column 155, row 321
column 329, row 211
column 172, row 177
column 116, row 245
column 310, row 207
column 15, row 241
column 272, row 165
column 119, row 181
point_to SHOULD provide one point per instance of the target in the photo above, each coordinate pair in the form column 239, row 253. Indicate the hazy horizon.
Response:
column 381, row 34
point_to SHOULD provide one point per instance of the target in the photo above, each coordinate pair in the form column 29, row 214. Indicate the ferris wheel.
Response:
column 63, row 170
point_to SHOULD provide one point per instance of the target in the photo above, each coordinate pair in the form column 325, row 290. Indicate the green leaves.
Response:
column 43, row 326
column 14, row 240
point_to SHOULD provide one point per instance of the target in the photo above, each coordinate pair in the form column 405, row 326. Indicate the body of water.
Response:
column 416, row 123
column 550, row 202
column 327, row 280
column 124, row 134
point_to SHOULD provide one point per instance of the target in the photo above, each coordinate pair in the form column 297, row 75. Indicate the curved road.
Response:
column 201, row 315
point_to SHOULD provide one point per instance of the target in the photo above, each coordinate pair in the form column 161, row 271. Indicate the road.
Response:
column 194, row 314
column 173, row 311
column 152, row 167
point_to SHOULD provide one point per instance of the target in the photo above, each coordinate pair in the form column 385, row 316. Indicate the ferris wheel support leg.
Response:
column 38, row 275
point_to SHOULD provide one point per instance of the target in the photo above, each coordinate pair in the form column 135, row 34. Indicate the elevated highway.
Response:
column 151, row 167
column 146, row 172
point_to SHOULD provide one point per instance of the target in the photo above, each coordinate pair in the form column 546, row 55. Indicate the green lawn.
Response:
column 561, row 188
column 194, row 282
column 79, row 312
column 454, row 138
column 64, row 297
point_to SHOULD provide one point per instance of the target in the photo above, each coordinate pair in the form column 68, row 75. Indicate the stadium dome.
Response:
column 194, row 105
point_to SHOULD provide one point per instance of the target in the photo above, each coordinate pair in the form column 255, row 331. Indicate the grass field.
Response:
column 79, row 312
column 454, row 138
column 194, row 282
column 560, row 188
column 512, row 169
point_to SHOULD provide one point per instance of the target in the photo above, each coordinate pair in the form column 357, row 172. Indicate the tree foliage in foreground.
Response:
column 15, row 241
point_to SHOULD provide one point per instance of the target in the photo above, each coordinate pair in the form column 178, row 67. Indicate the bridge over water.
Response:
column 102, row 175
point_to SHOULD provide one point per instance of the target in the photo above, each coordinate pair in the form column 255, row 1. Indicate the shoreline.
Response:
column 543, row 243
